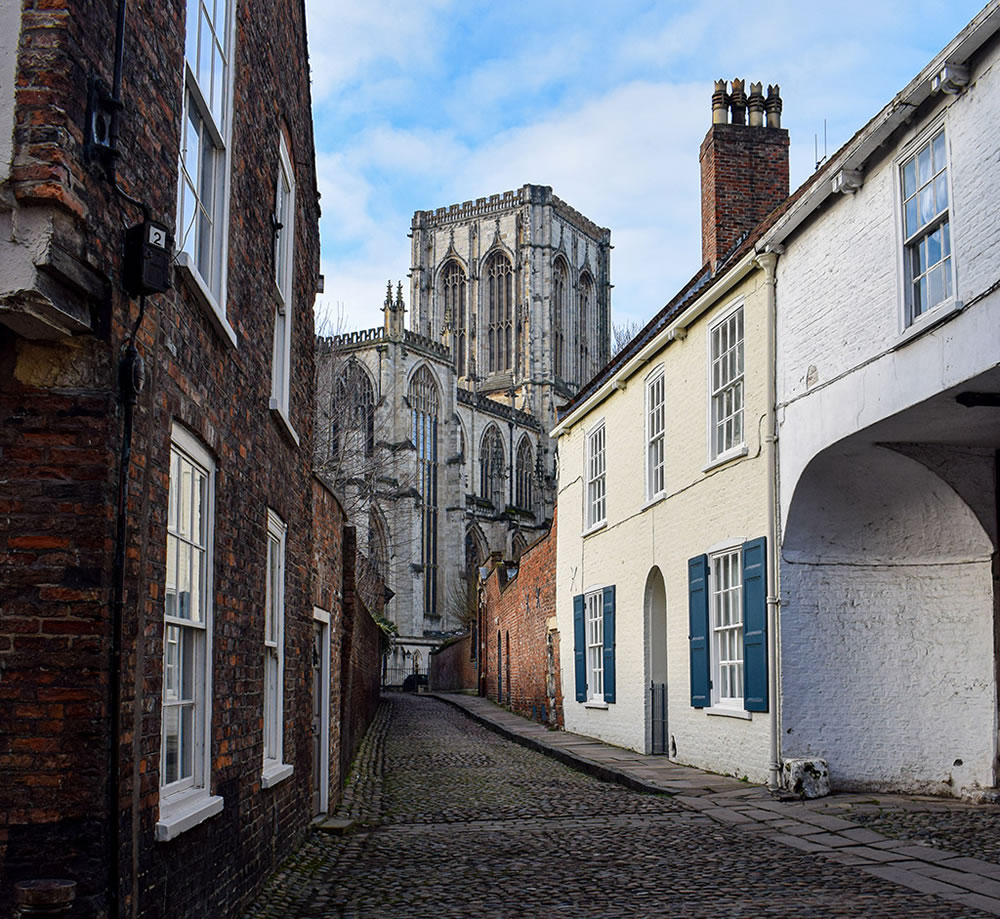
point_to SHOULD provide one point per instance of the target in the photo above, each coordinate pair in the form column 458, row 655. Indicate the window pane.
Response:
column 927, row 211
column 946, row 239
column 909, row 178
column 940, row 160
column 941, row 192
column 935, row 292
column 924, row 164
column 911, row 217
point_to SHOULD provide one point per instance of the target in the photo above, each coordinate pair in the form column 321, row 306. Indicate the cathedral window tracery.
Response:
column 560, row 300
column 524, row 491
column 500, row 312
column 492, row 472
column 585, row 327
column 424, row 404
column 453, row 289
column 352, row 413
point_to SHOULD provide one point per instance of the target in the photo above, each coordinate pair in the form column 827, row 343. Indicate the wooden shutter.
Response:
column 580, row 648
column 701, row 681
column 755, row 625
column 609, row 643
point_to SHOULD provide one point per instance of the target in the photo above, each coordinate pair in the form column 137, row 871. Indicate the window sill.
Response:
column 725, row 712
column 182, row 812
column 723, row 458
column 596, row 704
column 929, row 320
column 274, row 773
column 196, row 284
column 656, row 499
column 283, row 422
column 596, row 528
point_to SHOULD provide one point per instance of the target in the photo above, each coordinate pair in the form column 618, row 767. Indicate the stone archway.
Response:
column 887, row 622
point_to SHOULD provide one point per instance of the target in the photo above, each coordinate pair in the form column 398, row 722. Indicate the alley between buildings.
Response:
column 452, row 820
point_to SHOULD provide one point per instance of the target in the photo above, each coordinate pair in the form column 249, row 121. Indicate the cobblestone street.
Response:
column 453, row 820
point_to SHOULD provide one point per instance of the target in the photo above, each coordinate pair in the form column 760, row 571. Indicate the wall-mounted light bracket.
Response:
column 98, row 143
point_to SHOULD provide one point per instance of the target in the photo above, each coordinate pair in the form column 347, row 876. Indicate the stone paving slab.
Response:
column 827, row 828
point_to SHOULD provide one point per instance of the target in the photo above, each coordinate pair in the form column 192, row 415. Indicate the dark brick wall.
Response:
column 361, row 650
column 519, row 612
column 453, row 666
column 744, row 176
column 60, row 431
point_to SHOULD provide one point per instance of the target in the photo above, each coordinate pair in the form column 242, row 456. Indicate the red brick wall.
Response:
column 744, row 176
column 519, row 611
column 453, row 666
column 361, row 662
column 60, row 430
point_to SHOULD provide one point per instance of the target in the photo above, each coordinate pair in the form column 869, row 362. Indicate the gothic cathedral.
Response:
column 436, row 436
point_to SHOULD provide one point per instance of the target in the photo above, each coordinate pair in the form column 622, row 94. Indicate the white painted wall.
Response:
column 10, row 36
column 887, row 615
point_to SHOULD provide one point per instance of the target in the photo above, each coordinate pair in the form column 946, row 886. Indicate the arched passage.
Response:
column 887, row 625
column 655, row 607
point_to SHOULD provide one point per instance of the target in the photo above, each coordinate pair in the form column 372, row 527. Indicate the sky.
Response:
column 419, row 104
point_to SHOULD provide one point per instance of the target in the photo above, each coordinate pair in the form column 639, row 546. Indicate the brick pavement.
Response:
column 451, row 819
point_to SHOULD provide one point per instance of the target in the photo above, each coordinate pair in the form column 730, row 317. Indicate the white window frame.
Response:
column 284, row 272
column 593, row 613
column 207, row 275
column 656, row 450
column 716, row 393
column 596, row 489
column 274, row 769
column 187, row 801
column 909, row 321
column 726, row 634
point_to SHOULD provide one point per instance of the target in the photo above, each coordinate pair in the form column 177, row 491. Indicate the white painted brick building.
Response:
column 888, row 400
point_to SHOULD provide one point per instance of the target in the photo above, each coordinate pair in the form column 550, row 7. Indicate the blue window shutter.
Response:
column 755, row 625
column 579, row 648
column 701, row 682
column 609, row 643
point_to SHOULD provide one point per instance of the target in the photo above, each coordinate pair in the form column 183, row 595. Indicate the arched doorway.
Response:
column 655, row 607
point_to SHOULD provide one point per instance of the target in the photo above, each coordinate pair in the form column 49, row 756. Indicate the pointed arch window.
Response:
column 378, row 543
column 424, row 405
column 524, row 497
column 492, row 472
column 560, row 301
column 585, row 326
column 352, row 413
column 453, row 291
column 500, row 312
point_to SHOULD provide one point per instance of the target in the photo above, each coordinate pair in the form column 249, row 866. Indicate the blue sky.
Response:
column 419, row 104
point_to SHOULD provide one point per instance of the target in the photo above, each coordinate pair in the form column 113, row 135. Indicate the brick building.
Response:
column 519, row 637
column 162, row 587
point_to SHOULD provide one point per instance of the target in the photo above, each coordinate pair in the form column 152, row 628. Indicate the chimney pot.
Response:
column 720, row 103
column 773, row 106
column 755, row 105
column 739, row 103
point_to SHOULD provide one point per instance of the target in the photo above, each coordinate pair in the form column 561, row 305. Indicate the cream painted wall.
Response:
column 701, row 509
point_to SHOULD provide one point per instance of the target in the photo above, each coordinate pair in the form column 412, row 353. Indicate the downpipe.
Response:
column 768, row 261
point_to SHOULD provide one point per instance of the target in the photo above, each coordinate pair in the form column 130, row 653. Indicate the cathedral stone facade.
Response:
column 437, row 434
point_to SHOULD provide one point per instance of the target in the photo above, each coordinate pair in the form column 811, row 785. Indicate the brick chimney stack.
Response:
column 744, row 167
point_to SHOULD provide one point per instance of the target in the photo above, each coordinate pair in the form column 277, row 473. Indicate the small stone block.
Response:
column 809, row 778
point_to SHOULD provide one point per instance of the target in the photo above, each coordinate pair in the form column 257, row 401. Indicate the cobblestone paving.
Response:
column 974, row 833
column 456, row 821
